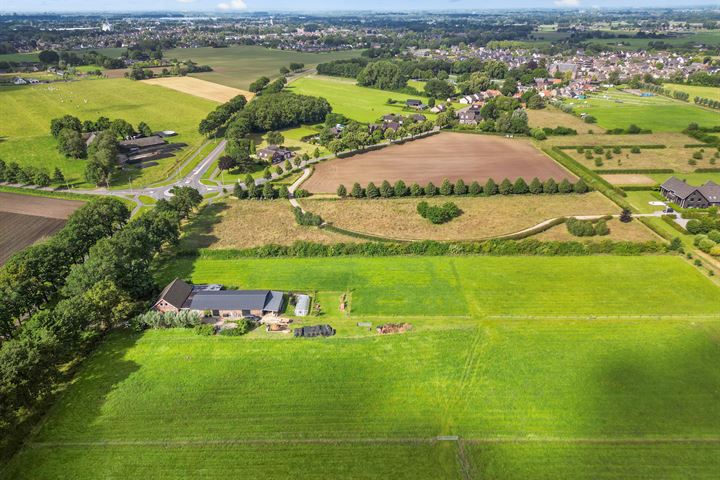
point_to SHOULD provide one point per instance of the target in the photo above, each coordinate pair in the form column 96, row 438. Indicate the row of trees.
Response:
column 64, row 293
column 707, row 102
column 356, row 136
column 506, row 187
column 676, row 94
column 218, row 118
column 28, row 175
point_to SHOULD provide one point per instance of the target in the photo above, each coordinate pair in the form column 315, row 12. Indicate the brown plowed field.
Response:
column 26, row 219
column 447, row 155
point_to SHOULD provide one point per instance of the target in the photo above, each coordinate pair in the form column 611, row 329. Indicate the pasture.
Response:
column 553, row 398
column 551, row 117
column 358, row 103
column 482, row 217
column 448, row 155
column 712, row 93
column 617, row 109
column 27, row 140
column 239, row 65
column 200, row 88
column 25, row 220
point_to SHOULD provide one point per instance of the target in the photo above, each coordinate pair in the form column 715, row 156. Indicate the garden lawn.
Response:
column 475, row 286
column 240, row 65
column 358, row 103
column 27, row 140
column 527, row 398
column 616, row 109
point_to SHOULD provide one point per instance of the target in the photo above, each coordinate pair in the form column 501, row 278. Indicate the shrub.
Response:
column 460, row 188
column 430, row 189
column 400, row 189
column 635, row 150
column 307, row 218
column 706, row 245
column 617, row 150
column 536, row 186
column 239, row 192
column 601, row 228
column 565, row 186
column 242, row 327
column 598, row 150
column 438, row 214
column 580, row 186
column 626, row 216
column 550, row 186
column 446, row 188
column 598, row 162
column 301, row 193
column 475, row 189
column 715, row 251
column 422, row 208
column 341, row 191
column 588, row 154
column 491, row 187
column 580, row 228
column 205, row 329
column 416, row 190
column 520, row 187
column 505, row 187
column 697, row 155
column 714, row 235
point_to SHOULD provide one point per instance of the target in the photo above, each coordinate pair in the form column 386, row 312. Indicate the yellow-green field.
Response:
column 25, row 131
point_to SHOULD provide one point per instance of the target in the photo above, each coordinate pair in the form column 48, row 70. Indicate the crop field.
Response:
column 448, row 155
column 676, row 158
column 200, row 88
column 26, row 219
column 240, row 65
column 27, row 141
column 616, row 109
column 482, row 217
column 358, row 103
column 233, row 223
column 551, row 117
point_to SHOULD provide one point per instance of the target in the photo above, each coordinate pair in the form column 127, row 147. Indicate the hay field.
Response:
column 675, row 158
column 448, row 155
column 233, row 223
column 551, row 117
column 482, row 216
column 200, row 88
column 619, row 231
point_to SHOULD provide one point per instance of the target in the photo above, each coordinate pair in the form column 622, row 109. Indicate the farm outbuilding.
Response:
column 302, row 307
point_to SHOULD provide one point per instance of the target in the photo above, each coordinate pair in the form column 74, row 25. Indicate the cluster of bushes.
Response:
column 61, row 295
column 703, row 134
column 543, row 133
column 586, row 228
column 506, row 187
column 709, row 243
column 432, row 248
column 242, row 327
column 438, row 214
column 707, row 102
column 153, row 319
column 307, row 218
column 219, row 117
column 631, row 130
column 29, row 175
column 703, row 224
column 68, row 131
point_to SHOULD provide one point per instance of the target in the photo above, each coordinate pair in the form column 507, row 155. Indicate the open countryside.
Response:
column 364, row 245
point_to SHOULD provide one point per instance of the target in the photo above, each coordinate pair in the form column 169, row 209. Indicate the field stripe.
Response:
column 411, row 440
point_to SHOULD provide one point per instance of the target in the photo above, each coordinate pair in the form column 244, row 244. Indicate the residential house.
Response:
column 688, row 196
column 470, row 115
column 202, row 299
column 275, row 154
column 412, row 103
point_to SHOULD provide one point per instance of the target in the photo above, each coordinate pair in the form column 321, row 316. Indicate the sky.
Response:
column 322, row 5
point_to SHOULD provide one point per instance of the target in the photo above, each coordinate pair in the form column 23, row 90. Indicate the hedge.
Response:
column 707, row 170
column 641, row 188
column 670, row 220
column 635, row 170
column 646, row 147
column 495, row 247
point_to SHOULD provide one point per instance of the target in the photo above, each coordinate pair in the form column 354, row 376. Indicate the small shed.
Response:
column 302, row 307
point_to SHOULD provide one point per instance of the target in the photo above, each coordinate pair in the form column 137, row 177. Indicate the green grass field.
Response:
column 26, row 139
column 616, row 109
column 695, row 91
column 359, row 103
column 476, row 286
column 238, row 66
column 528, row 399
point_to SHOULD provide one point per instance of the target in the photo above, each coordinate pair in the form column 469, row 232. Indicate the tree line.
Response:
column 11, row 172
column 707, row 102
column 63, row 294
column 447, row 188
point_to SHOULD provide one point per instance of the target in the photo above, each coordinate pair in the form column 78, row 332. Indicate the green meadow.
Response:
column 240, row 65
column 26, row 138
column 553, row 398
column 358, row 103
column 475, row 286
column 712, row 93
column 617, row 109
